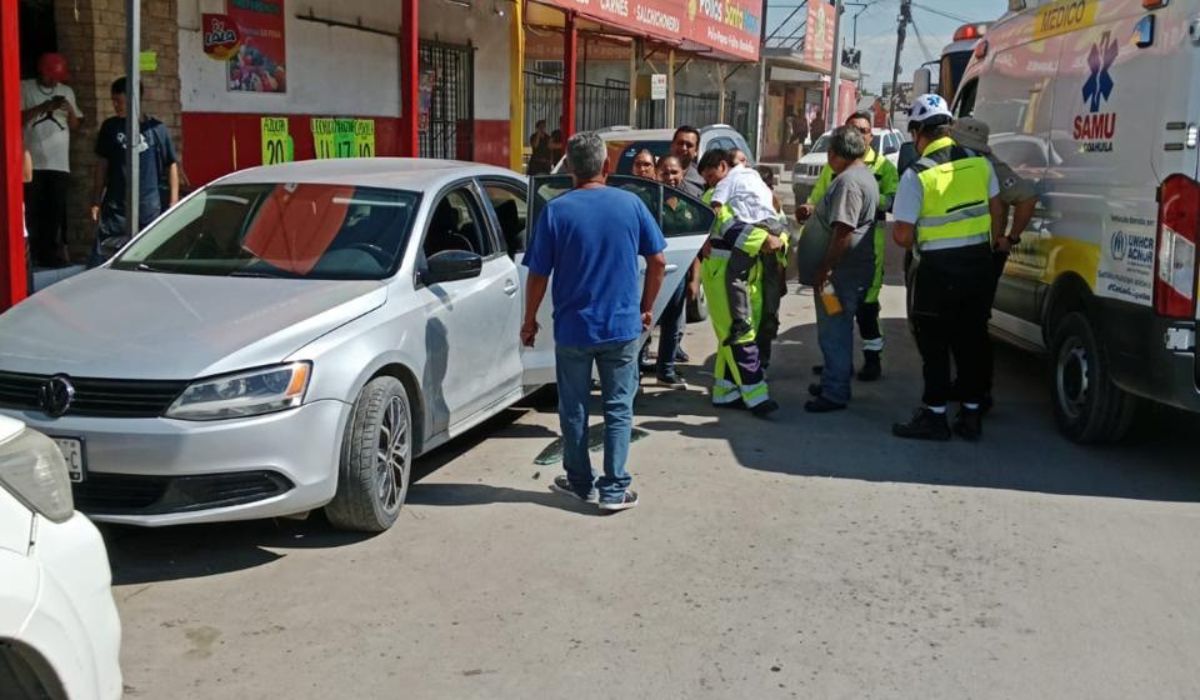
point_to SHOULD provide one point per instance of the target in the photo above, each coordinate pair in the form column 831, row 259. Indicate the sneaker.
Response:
column 672, row 380
column 563, row 486
column 968, row 424
column 814, row 390
column 682, row 357
column 823, row 405
column 925, row 425
column 765, row 408
column 872, row 369
column 628, row 500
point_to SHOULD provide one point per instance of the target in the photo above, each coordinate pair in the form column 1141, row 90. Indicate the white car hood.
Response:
column 142, row 325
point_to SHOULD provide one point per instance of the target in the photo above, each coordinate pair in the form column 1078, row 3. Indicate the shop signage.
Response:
column 818, row 35
column 276, row 144
column 220, row 35
column 731, row 27
column 259, row 64
column 658, row 86
column 148, row 61
column 364, row 138
column 343, row 138
column 322, row 132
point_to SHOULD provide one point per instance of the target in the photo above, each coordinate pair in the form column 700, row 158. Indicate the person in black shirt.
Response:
column 157, row 163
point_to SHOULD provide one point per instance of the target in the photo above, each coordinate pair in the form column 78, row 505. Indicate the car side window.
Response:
column 684, row 216
column 512, row 214
column 456, row 224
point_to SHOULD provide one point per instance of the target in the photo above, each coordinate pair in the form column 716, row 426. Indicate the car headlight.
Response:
column 245, row 394
column 33, row 470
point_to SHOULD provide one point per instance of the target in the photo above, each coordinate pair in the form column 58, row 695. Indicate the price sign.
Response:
column 322, row 131
column 344, row 145
column 275, row 141
column 658, row 86
column 364, row 138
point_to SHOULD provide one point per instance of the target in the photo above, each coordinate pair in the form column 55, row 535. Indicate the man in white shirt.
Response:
column 48, row 114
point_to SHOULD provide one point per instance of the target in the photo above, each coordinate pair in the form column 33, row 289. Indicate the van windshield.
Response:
column 294, row 230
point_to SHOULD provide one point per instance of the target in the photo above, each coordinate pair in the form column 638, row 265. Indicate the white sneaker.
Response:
column 628, row 500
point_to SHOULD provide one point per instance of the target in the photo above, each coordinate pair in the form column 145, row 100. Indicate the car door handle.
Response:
column 510, row 288
column 672, row 268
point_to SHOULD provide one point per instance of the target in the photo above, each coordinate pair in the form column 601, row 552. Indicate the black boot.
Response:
column 925, row 425
column 872, row 369
column 968, row 424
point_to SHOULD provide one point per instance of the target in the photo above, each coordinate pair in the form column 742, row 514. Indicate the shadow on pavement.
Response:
column 1021, row 449
column 483, row 494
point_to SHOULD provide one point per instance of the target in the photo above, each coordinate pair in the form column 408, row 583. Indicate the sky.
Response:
column 877, row 31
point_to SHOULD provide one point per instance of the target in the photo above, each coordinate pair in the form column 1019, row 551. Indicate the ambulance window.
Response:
column 966, row 99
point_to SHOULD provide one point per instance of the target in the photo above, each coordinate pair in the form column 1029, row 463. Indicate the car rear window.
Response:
column 623, row 152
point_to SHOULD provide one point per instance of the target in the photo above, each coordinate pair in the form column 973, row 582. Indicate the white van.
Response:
column 1098, row 101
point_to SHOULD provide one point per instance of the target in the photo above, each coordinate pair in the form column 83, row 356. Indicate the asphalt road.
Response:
column 804, row 557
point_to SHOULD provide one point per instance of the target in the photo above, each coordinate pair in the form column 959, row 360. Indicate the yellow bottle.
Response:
column 833, row 306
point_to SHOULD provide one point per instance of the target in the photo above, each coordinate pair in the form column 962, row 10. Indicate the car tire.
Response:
column 376, row 461
column 1088, row 407
column 697, row 309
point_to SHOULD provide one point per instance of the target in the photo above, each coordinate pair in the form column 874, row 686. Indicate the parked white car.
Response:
column 291, row 337
column 60, row 636
column 808, row 168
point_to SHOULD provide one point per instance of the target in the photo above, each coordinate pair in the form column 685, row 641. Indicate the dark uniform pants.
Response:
column 999, row 259
column 950, row 311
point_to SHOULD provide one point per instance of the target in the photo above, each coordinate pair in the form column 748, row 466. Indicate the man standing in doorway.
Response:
column 49, row 115
column 598, row 316
column 685, row 146
column 157, row 162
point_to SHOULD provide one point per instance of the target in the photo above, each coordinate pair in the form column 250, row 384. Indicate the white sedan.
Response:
column 59, row 632
column 291, row 337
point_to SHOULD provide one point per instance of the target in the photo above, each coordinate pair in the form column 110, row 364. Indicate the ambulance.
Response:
column 1098, row 102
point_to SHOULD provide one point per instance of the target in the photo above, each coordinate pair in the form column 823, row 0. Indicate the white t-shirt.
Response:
column 746, row 195
column 48, row 137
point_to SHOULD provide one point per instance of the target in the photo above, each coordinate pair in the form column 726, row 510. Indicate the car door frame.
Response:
column 496, row 393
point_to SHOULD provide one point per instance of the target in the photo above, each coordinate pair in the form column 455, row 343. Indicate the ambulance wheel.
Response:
column 1088, row 407
column 697, row 309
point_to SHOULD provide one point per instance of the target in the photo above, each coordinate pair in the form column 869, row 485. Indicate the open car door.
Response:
column 685, row 222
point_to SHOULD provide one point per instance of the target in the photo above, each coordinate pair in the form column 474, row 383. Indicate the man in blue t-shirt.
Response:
column 590, row 239
column 156, row 164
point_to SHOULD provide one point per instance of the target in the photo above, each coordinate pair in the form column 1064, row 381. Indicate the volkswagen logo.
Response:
column 56, row 395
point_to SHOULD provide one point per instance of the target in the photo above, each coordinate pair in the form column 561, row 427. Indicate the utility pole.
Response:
column 903, row 20
column 835, row 85
column 760, row 121
column 133, row 113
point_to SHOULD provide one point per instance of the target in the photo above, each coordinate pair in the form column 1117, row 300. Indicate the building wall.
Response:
column 91, row 34
column 337, row 71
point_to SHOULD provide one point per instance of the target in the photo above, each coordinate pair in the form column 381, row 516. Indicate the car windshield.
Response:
column 306, row 231
column 822, row 144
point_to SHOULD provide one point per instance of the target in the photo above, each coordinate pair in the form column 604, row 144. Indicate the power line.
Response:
column 921, row 41
column 943, row 13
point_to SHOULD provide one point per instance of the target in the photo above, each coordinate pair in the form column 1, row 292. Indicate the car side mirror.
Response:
column 908, row 156
column 451, row 266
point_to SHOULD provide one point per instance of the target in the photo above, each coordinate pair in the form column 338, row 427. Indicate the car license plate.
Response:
column 72, row 452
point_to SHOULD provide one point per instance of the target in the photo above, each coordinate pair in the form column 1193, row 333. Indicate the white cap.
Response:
column 927, row 107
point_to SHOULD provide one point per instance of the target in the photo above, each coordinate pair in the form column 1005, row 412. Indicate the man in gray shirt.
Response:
column 846, row 218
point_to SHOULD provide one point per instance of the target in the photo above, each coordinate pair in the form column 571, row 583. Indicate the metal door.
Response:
column 447, row 109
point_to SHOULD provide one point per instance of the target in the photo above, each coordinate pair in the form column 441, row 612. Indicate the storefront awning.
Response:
column 722, row 29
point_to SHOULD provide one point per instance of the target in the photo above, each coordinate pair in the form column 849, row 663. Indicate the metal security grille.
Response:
column 447, row 110
column 596, row 106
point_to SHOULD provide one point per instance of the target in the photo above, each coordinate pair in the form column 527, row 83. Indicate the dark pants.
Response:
column 950, row 313
column 46, row 216
column 773, row 289
column 999, row 259
column 670, row 326
column 867, row 316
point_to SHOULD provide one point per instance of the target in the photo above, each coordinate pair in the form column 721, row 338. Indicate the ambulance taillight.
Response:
column 1175, row 259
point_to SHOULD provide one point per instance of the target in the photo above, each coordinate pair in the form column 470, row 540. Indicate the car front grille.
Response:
column 108, row 398
column 131, row 494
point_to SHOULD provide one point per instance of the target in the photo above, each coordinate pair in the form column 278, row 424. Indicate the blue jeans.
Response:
column 836, row 336
column 619, row 378
column 671, row 329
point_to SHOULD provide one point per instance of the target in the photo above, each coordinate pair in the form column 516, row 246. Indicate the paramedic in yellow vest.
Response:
column 1017, row 193
column 888, row 180
column 731, row 273
column 948, row 211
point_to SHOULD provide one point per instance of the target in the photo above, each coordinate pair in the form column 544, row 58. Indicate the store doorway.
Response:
column 447, row 94
column 38, row 33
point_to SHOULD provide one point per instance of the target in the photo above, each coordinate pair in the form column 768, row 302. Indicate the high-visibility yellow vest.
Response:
column 954, row 209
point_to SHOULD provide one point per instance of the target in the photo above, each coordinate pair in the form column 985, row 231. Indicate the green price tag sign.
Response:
column 343, row 138
column 275, row 140
column 364, row 138
column 322, row 131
